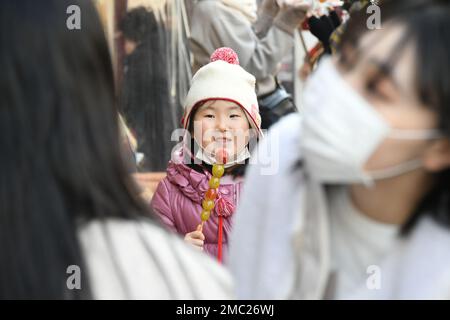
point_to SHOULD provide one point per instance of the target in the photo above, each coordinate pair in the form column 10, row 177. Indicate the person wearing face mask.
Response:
column 262, row 36
column 360, row 206
column 221, row 115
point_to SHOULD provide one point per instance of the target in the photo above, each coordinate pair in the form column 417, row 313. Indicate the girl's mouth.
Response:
column 223, row 140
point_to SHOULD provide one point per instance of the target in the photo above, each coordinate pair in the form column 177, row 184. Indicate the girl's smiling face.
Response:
column 221, row 124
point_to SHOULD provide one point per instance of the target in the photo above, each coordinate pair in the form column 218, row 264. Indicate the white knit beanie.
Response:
column 224, row 79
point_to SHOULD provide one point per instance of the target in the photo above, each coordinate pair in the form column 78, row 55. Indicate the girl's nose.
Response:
column 222, row 124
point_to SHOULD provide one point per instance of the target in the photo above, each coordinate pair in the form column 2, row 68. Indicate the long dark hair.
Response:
column 60, row 160
column 145, row 97
column 426, row 24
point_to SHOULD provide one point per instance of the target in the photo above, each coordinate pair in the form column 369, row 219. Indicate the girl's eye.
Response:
column 235, row 116
column 210, row 116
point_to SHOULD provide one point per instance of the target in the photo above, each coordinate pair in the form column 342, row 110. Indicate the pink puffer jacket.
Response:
column 177, row 201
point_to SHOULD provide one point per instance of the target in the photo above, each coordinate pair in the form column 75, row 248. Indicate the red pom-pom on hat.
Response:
column 225, row 54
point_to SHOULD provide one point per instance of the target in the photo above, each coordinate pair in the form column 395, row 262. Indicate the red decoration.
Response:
column 221, row 156
column 225, row 54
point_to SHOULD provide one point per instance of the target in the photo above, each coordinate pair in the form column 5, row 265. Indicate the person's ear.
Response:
column 348, row 56
column 437, row 157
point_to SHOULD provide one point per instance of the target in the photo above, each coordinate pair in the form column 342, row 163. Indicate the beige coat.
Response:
column 260, row 47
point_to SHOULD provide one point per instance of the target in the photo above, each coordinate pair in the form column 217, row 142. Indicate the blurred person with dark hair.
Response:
column 145, row 99
column 66, row 197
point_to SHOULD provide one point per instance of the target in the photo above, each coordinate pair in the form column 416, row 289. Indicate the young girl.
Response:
column 360, row 206
column 222, row 116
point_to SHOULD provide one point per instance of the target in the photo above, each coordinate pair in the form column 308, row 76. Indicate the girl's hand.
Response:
column 196, row 238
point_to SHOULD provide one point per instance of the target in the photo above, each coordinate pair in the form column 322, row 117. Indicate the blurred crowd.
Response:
column 134, row 164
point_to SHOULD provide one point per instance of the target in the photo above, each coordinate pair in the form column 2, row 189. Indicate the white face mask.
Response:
column 340, row 131
column 237, row 159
